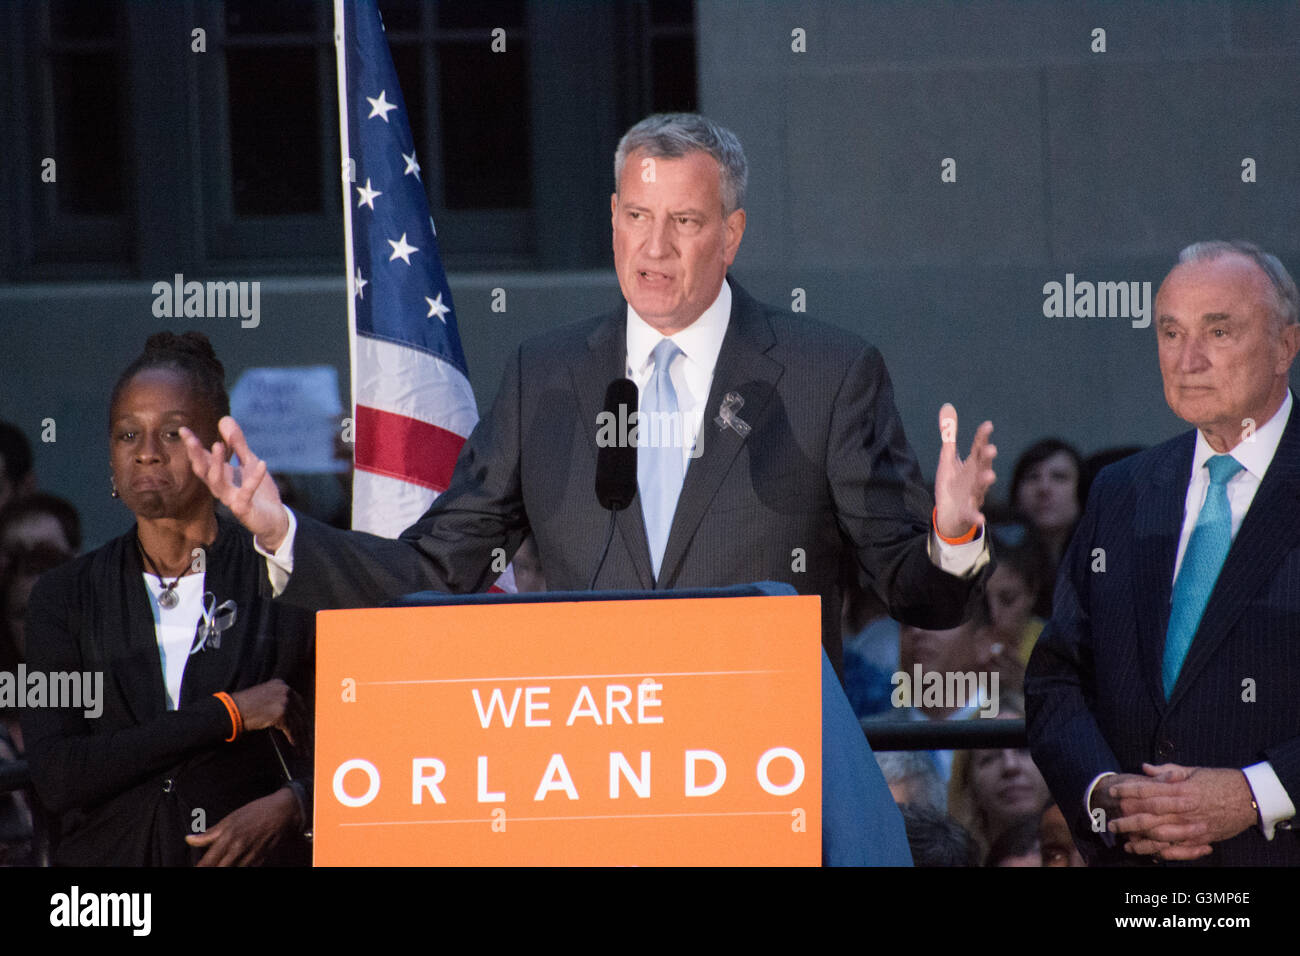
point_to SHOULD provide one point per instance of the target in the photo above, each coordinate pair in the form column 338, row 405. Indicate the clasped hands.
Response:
column 1175, row 812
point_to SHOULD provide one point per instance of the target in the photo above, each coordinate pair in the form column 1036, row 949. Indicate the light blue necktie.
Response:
column 659, row 469
column 1206, row 550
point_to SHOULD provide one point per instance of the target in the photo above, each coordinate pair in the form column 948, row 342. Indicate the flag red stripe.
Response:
column 384, row 438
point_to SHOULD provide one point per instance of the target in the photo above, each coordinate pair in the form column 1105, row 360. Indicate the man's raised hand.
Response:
column 247, row 491
column 960, row 486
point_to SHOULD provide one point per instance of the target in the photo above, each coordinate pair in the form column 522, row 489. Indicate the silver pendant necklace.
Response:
column 169, row 598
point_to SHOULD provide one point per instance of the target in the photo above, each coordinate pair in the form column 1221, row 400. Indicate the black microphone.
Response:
column 615, row 457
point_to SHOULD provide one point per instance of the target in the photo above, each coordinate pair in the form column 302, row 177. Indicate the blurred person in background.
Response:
column 1012, row 589
column 1045, row 498
column 25, row 566
column 38, row 520
column 1054, row 841
column 1013, row 628
column 963, row 649
column 991, row 790
column 936, row 839
column 17, row 478
column 913, row 778
column 1018, row 845
column 870, row 640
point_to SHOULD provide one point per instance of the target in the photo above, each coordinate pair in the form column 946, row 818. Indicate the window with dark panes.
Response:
column 483, row 105
column 268, row 160
column 670, row 33
column 169, row 156
column 83, row 69
column 274, row 105
column 468, row 97
column 78, row 125
column 657, row 54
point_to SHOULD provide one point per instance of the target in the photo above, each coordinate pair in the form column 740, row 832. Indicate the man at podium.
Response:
column 789, row 458
column 785, row 458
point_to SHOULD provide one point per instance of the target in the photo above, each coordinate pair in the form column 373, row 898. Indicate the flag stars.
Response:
column 380, row 106
column 412, row 167
column 401, row 250
column 437, row 308
column 361, row 284
column 366, row 195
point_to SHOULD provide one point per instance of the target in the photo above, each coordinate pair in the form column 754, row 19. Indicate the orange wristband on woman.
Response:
column 236, row 719
column 967, row 538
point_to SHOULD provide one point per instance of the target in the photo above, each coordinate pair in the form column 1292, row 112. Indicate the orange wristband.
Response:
column 236, row 719
column 967, row 538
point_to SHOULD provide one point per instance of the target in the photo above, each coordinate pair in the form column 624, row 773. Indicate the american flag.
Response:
column 413, row 405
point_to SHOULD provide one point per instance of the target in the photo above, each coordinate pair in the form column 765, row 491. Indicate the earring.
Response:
column 113, row 483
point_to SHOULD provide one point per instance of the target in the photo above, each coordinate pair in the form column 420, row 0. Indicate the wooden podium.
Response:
column 614, row 728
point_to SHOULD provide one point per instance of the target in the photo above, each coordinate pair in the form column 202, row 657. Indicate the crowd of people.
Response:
column 984, row 807
column 38, row 532
column 980, row 807
column 1166, row 578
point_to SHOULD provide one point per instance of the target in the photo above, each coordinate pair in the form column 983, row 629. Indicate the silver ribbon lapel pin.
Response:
column 216, row 618
column 727, row 417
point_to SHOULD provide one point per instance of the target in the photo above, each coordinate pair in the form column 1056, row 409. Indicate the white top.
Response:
column 175, row 628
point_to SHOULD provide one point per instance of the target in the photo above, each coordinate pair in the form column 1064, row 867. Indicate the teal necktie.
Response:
column 659, row 468
column 1206, row 550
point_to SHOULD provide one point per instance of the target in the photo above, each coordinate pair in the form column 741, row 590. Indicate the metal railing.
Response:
column 973, row 734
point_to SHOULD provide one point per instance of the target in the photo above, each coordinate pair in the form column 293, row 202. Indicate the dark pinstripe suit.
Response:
column 826, row 469
column 1093, row 687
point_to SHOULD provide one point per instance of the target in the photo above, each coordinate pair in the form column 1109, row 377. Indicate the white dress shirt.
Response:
column 692, row 371
column 1255, row 454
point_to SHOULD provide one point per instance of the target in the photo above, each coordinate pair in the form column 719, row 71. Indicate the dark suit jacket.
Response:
column 825, row 475
column 1093, row 688
column 125, row 785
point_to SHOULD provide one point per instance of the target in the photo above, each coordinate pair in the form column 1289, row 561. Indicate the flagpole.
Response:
column 346, row 174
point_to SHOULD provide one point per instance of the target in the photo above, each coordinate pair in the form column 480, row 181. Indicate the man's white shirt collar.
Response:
column 701, row 341
column 1255, row 452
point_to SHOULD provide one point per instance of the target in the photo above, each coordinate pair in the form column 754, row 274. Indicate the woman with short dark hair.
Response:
column 196, row 750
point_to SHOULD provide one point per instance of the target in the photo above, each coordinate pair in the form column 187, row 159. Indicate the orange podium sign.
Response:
column 683, row 731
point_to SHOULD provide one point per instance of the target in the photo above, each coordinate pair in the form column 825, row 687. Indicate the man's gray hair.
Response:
column 673, row 135
column 1286, row 307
